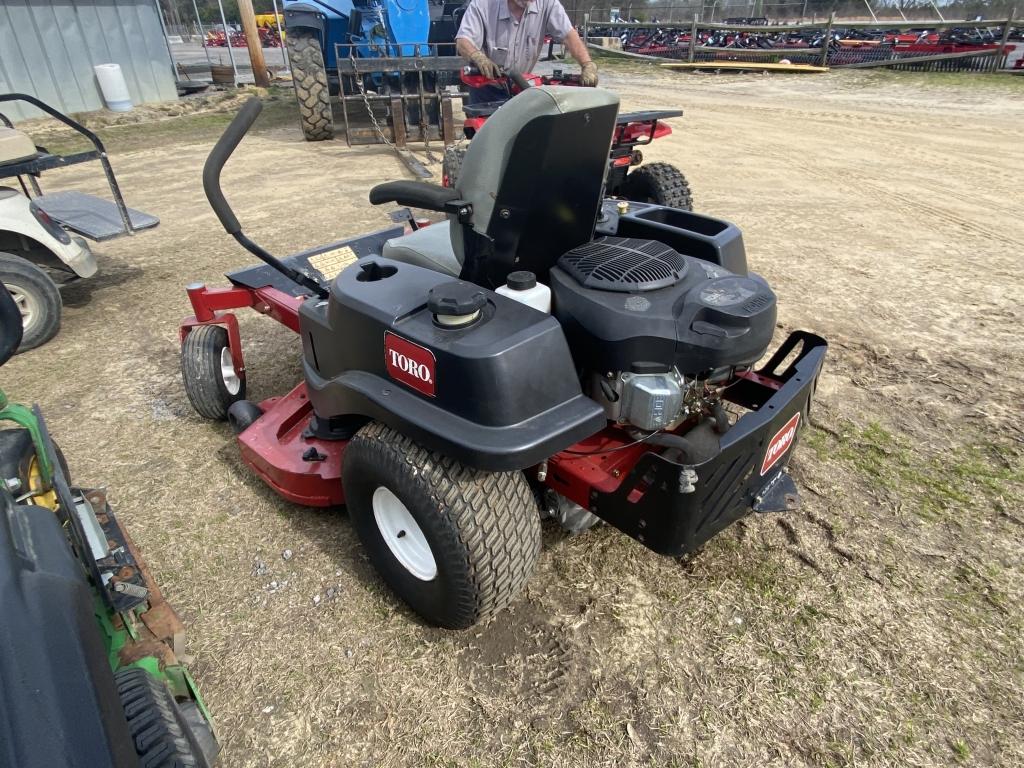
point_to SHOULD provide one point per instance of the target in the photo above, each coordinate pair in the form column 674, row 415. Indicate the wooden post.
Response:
column 252, row 39
column 693, row 40
column 1002, row 43
column 827, row 39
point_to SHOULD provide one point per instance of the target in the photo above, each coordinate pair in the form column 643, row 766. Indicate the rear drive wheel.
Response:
column 658, row 183
column 455, row 543
column 36, row 297
column 451, row 165
column 211, row 381
column 164, row 737
column 309, row 75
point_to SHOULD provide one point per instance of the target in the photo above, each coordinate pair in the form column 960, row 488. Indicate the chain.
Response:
column 366, row 101
column 373, row 118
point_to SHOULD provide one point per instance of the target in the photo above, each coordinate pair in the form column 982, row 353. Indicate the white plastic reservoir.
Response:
column 113, row 87
column 524, row 288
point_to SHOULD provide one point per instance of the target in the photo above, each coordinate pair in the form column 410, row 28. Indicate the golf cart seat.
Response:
column 529, row 190
column 15, row 146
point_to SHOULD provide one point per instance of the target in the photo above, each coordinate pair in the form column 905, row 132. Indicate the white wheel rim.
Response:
column 28, row 306
column 227, row 372
column 403, row 536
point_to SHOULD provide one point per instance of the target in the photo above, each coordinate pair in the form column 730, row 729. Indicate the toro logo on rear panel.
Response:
column 409, row 363
column 781, row 443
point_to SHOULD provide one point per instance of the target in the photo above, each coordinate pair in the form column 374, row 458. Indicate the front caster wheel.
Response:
column 455, row 543
column 211, row 381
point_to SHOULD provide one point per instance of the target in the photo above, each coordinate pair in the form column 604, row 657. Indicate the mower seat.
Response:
column 533, row 176
column 429, row 247
column 15, row 146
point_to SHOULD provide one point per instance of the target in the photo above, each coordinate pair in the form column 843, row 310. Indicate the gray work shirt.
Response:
column 515, row 45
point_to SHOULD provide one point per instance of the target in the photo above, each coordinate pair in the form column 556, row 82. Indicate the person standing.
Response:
column 509, row 34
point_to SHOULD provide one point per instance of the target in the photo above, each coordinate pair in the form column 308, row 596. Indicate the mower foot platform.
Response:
column 91, row 216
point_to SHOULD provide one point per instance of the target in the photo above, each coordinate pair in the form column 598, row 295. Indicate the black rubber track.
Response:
column 451, row 165
column 34, row 282
column 658, row 183
column 157, row 728
column 200, row 372
column 483, row 527
column 309, row 75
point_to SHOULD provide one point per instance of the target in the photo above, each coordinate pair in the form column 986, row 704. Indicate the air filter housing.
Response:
column 624, row 264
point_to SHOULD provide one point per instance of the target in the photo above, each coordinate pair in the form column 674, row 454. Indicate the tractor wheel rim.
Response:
column 402, row 535
column 27, row 304
column 227, row 372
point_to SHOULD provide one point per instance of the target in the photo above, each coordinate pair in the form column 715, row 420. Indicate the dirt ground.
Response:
column 880, row 625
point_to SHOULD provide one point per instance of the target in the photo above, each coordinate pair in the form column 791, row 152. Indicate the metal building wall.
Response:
column 48, row 49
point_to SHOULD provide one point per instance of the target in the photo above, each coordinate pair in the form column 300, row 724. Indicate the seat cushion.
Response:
column 15, row 146
column 429, row 247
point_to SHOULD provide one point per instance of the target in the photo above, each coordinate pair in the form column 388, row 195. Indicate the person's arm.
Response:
column 561, row 29
column 470, row 39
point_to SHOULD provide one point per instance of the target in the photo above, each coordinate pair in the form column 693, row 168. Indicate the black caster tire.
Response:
column 36, row 297
column 163, row 734
column 456, row 544
column 211, row 381
column 242, row 414
column 660, row 184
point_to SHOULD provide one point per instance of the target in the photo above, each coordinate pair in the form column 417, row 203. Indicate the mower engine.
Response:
column 659, row 333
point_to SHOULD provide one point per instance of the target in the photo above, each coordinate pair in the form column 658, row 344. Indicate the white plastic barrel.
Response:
column 113, row 87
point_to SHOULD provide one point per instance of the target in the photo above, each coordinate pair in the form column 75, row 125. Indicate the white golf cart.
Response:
column 41, row 235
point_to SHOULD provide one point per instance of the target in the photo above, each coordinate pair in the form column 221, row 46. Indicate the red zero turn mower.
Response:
column 658, row 183
column 542, row 352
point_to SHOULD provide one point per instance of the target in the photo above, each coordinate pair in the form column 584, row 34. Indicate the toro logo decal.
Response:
column 779, row 444
column 409, row 363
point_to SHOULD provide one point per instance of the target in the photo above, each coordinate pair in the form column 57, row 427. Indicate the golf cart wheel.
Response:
column 162, row 734
column 455, row 543
column 451, row 165
column 36, row 297
column 309, row 75
column 211, row 381
column 658, row 183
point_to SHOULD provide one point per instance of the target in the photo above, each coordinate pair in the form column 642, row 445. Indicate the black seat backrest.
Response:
column 534, row 174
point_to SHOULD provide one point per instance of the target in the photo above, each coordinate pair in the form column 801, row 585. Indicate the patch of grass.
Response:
column 933, row 487
column 961, row 751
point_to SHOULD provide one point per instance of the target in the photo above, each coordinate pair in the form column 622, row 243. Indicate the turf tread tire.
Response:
column 25, row 275
column 483, row 527
column 156, row 726
column 200, row 372
column 309, row 76
column 659, row 183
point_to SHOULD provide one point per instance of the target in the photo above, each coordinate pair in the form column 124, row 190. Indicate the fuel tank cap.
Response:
column 456, row 304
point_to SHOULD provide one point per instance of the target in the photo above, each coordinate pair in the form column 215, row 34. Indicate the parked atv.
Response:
column 41, row 245
column 542, row 352
column 89, row 648
column 658, row 183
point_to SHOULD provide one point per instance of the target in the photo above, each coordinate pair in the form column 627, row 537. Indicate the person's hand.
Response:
column 588, row 75
column 487, row 67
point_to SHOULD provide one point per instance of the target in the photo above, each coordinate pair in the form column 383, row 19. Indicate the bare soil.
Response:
column 880, row 625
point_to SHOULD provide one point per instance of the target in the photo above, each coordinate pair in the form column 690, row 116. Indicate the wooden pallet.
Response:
column 756, row 66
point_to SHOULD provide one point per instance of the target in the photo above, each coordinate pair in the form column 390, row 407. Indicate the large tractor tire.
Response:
column 658, row 183
column 36, row 297
column 455, row 543
column 309, row 76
